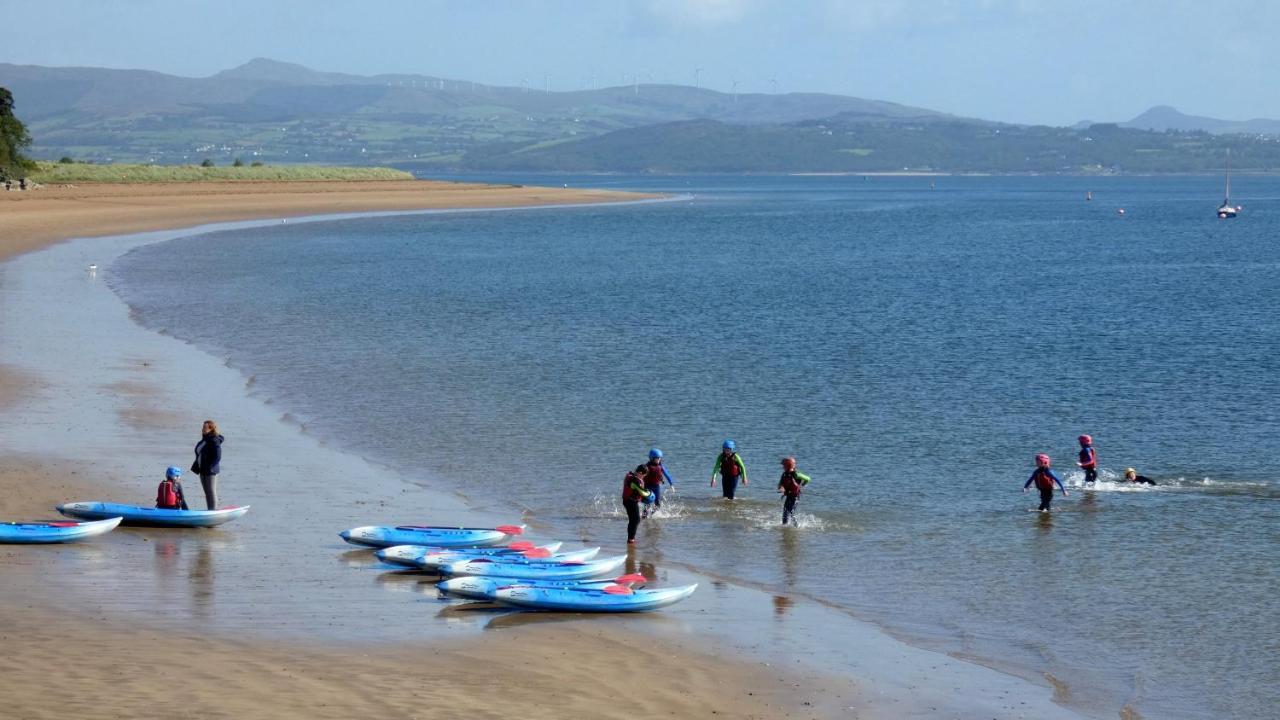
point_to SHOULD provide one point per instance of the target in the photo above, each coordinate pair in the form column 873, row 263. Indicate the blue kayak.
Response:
column 433, row 535
column 482, row 588
column 611, row 598
column 152, row 517
column 432, row 562
column 573, row 570
column 54, row 532
column 409, row 555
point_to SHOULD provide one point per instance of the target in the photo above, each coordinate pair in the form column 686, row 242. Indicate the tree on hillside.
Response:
column 13, row 139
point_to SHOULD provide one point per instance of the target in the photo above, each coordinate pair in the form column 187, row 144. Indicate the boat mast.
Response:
column 1227, row 200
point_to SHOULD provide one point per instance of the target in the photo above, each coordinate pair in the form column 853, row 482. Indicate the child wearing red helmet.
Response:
column 790, row 486
column 1044, row 479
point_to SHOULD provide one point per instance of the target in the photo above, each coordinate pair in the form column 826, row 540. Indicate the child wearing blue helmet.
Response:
column 655, row 473
column 730, row 468
column 169, row 494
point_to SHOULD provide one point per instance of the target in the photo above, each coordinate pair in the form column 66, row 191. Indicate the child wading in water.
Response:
column 1132, row 476
column 1044, row 479
column 731, row 468
column 790, row 486
column 654, row 473
column 1088, row 459
column 633, row 493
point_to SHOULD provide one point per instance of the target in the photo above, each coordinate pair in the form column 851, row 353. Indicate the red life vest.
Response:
column 167, row 495
column 729, row 466
column 789, row 484
column 653, row 475
column 1043, row 481
column 629, row 492
column 1088, row 459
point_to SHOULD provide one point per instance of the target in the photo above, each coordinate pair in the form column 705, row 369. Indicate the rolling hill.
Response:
column 282, row 113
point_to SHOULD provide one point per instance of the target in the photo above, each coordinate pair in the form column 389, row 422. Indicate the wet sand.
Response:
column 272, row 616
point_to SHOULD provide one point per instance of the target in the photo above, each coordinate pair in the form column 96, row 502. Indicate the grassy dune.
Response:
column 50, row 173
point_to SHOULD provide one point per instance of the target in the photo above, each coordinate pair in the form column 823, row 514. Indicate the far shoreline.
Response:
column 33, row 219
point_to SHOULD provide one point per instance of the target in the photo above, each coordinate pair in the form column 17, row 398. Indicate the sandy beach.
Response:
column 167, row 672
column 276, row 618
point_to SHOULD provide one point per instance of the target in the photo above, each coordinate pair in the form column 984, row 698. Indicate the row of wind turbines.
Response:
column 591, row 82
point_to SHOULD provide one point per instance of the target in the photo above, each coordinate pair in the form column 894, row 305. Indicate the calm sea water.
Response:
column 913, row 347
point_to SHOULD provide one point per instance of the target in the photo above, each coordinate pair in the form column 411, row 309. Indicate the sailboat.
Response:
column 1226, row 209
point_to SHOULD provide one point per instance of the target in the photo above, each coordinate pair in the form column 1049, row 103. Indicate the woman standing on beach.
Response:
column 208, row 457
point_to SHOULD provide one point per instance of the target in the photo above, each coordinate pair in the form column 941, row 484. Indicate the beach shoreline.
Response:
column 148, row 397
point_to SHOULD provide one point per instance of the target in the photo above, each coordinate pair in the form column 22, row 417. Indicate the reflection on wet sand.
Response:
column 201, row 581
column 521, row 618
column 408, row 581
column 781, row 604
column 789, row 552
column 362, row 557
column 647, row 568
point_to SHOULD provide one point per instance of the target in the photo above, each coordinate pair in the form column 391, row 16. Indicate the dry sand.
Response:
column 59, row 663
column 35, row 218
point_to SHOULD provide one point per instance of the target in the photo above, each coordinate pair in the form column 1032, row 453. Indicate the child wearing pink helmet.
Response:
column 1044, row 479
column 1088, row 459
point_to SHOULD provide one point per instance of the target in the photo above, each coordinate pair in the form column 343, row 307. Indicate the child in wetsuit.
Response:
column 655, row 473
column 1131, row 475
column 633, row 493
column 1088, row 459
column 1044, row 479
column 790, row 485
column 731, row 468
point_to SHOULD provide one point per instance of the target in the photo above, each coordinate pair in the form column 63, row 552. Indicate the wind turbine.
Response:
column 735, row 91
column 774, row 82
column 697, row 78
column 524, row 84
column 547, row 78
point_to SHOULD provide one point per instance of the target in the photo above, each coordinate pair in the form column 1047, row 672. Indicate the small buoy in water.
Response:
column 1120, row 211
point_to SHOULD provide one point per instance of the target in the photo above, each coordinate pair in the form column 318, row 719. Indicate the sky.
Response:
column 1053, row 62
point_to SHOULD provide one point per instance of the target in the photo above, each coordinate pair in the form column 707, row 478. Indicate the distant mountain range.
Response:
column 284, row 113
column 1163, row 117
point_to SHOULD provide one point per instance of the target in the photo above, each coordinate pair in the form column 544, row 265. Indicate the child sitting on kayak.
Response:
column 790, row 485
column 169, row 494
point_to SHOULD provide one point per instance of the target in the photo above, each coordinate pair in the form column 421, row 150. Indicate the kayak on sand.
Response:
column 31, row 533
column 611, row 598
column 432, row 562
column 433, row 535
column 473, row 587
column 151, row 517
column 573, row 570
column 408, row 555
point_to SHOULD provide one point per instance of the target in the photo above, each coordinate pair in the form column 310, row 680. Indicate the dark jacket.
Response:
column 208, row 455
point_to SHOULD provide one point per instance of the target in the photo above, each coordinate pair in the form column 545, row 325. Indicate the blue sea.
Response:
column 912, row 341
